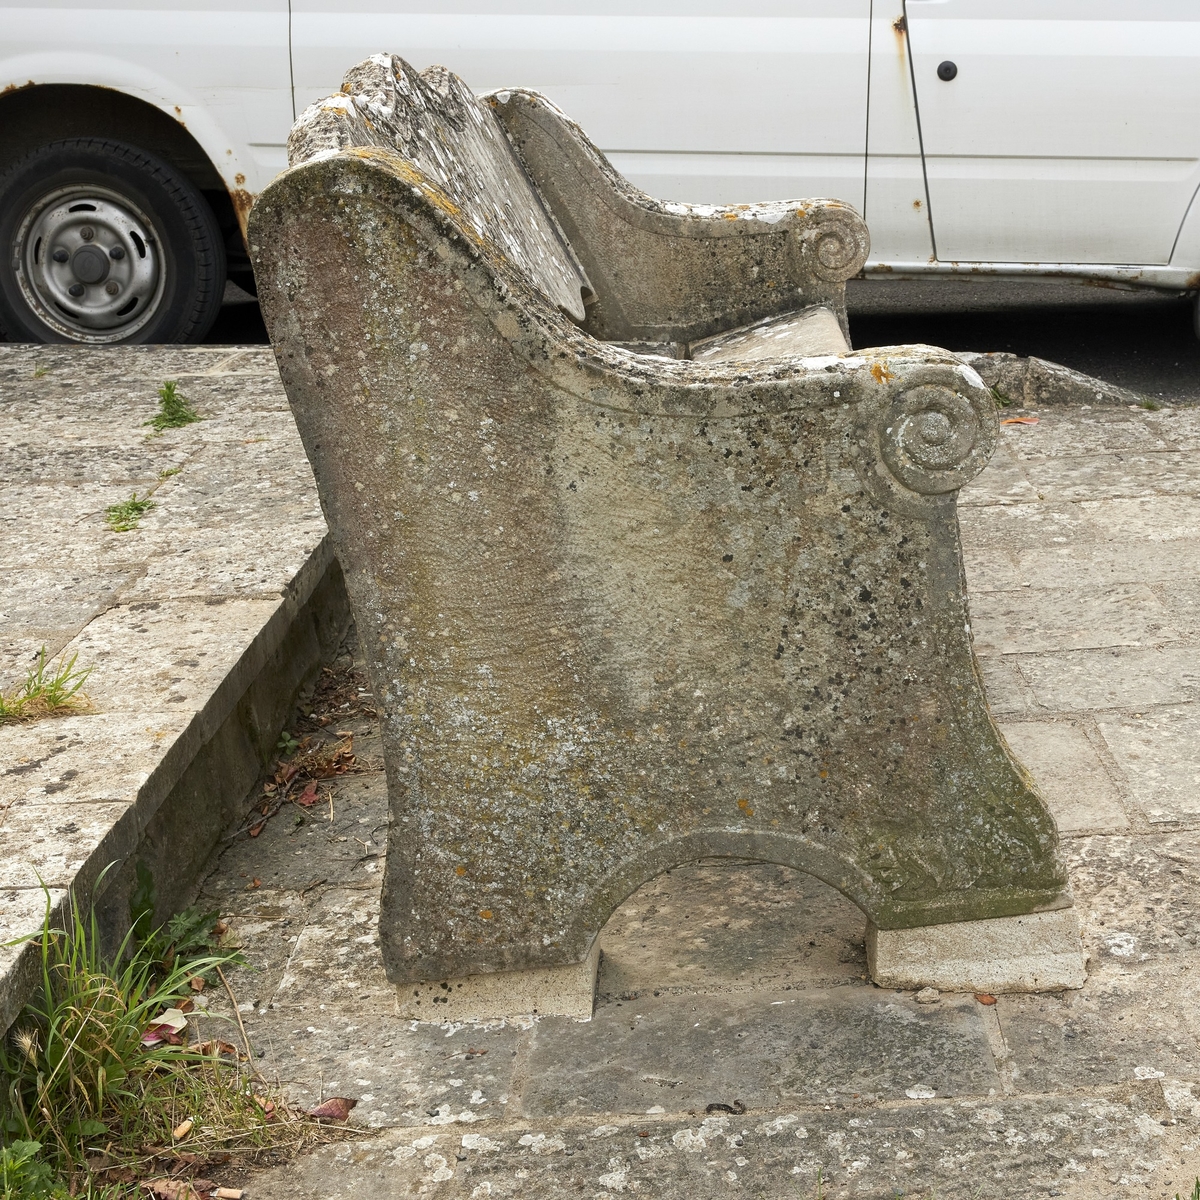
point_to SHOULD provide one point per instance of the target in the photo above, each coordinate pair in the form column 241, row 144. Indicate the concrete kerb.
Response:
column 196, row 670
column 200, row 785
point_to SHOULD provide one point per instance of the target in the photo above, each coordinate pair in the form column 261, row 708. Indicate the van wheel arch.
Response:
column 38, row 114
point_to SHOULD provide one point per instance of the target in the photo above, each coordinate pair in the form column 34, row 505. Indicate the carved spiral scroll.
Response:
column 935, row 439
column 835, row 244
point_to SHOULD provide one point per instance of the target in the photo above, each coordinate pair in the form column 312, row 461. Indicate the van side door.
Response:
column 1057, row 131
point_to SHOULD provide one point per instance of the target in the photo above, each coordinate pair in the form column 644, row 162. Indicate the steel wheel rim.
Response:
column 99, row 243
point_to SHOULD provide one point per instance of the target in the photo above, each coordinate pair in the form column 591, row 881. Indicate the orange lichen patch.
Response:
column 744, row 805
column 880, row 373
column 405, row 170
column 730, row 216
column 486, row 913
column 460, row 870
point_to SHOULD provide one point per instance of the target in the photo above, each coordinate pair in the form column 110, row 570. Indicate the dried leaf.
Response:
column 220, row 928
column 1019, row 421
column 257, row 828
column 186, row 1006
column 984, row 998
column 216, row 1047
column 336, row 1108
column 254, row 883
column 165, row 1028
column 197, row 983
column 171, row 1189
column 308, row 797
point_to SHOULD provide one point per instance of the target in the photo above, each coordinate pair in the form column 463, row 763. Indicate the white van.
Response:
column 1014, row 137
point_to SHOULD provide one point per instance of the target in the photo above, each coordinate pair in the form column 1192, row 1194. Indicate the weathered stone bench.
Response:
column 648, row 564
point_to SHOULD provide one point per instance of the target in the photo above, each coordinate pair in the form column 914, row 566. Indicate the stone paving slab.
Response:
column 176, row 618
column 744, row 985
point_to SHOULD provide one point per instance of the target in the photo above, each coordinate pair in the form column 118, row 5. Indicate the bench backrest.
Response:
column 434, row 121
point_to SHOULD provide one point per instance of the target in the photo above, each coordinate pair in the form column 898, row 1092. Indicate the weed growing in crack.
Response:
column 1150, row 405
column 102, row 1095
column 190, row 934
column 1195, row 1192
column 123, row 517
column 39, row 372
column 24, row 1175
column 48, row 691
column 174, row 411
column 287, row 745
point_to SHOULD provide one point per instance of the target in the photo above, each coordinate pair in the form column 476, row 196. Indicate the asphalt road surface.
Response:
column 1141, row 340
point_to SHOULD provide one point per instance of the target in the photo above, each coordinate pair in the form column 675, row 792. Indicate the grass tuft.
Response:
column 88, row 1108
column 1150, row 405
column 174, row 411
column 123, row 517
column 48, row 691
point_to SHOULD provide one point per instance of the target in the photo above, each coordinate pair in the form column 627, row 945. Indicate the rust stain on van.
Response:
column 900, row 26
column 16, row 87
column 243, row 202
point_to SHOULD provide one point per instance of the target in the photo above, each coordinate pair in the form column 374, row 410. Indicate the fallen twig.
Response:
column 237, row 1015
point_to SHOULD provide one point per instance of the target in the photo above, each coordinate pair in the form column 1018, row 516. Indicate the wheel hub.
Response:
column 89, row 262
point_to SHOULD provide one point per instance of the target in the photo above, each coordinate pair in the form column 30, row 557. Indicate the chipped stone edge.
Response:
column 177, row 818
column 1036, row 952
column 568, row 991
column 1030, row 382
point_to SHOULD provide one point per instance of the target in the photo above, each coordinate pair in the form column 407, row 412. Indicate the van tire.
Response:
column 105, row 245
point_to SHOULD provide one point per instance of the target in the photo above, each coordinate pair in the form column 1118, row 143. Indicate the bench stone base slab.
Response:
column 568, row 991
column 1037, row 952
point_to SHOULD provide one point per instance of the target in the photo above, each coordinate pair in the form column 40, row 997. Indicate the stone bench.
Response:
column 648, row 564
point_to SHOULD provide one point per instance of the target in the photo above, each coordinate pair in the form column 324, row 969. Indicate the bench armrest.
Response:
column 678, row 272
